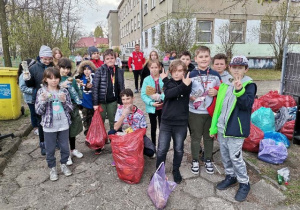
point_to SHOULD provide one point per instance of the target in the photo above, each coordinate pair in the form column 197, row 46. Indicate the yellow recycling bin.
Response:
column 10, row 96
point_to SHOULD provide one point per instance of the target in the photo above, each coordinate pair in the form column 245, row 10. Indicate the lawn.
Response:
column 264, row 74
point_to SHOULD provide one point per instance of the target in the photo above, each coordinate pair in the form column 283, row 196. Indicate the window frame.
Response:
column 297, row 32
column 206, row 31
column 243, row 31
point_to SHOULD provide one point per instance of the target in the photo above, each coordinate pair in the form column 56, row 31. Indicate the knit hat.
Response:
column 239, row 60
column 92, row 49
column 45, row 51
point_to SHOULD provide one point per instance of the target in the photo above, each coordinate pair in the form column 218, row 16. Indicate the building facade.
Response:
column 113, row 32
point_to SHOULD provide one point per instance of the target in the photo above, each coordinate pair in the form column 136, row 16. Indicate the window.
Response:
column 237, row 32
column 146, row 39
column 153, row 35
column 145, row 7
column 134, row 22
column 138, row 20
column 153, row 4
column 294, row 33
column 266, row 32
column 205, row 31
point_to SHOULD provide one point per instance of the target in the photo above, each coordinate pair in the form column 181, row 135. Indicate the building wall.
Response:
column 113, row 31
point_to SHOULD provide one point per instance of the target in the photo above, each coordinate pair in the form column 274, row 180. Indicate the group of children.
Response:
column 208, row 101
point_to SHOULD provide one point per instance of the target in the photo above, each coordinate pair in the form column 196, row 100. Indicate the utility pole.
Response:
column 285, row 48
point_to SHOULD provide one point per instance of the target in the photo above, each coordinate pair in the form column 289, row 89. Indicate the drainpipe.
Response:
column 142, row 25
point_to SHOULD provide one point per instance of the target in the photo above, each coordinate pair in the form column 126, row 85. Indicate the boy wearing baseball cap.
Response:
column 231, row 121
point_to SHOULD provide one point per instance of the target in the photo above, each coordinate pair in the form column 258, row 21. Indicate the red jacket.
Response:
column 97, row 63
column 136, row 60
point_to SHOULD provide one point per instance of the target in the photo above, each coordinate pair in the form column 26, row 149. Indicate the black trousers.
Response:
column 137, row 74
column 153, row 121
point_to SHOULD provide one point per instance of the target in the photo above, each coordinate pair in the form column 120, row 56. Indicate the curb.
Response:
column 5, row 155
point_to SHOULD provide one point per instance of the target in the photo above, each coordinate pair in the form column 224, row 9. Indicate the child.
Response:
column 65, row 66
column 118, row 60
column 220, row 64
column 174, row 119
column 56, row 53
column 154, row 100
column 86, row 71
column 107, row 85
column 94, row 56
column 232, row 124
column 167, row 57
column 130, row 118
column 201, row 107
column 186, row 58
column 54, row 105
column 173, row 56
column 146, row 72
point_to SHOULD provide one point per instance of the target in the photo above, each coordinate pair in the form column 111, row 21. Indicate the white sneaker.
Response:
column 153, row 156
column 195, row 167
column 76, row 153
column 36, row 131
column 65, row 170
column 69, row 162
column 53, row 174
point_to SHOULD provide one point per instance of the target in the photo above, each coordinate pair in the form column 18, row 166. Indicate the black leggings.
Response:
column 153, row 123
column 136, row 74
column 72, row 143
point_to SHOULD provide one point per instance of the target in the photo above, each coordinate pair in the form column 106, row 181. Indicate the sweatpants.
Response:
column 62, row 138
column 109, row 109
column 232, row 157
column 199, row 125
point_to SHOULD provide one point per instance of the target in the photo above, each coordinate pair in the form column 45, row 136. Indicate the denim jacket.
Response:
column 27, row 91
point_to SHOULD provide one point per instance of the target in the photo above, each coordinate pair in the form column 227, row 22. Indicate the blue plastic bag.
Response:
column 278, row 137
column 160, row 188
column 264, row 119
column 271, row 152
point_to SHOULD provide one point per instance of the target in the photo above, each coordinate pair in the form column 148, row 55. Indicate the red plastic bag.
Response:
column 128, row 155
column 96, row 136
column 256, row 105
column 275, row 101
column 251, row 143
column 288, row 129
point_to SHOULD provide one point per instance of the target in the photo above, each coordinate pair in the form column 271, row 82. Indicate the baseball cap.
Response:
column 239, row 60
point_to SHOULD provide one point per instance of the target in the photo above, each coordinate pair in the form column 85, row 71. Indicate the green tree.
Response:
column 98, row 32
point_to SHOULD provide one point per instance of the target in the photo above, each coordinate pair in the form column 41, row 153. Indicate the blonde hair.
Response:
column 202, row 49
column 150, row 62
column 175, row 63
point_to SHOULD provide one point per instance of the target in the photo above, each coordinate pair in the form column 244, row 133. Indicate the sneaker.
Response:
column 65, row 170
column 227, row 182
column 153, row 156
column 53, row 174
column 195, row 167
column 242, row 192
column 209, row 167
column 36, row 131
column 98, row 151
column 177, row 176
column 69, row 162
column 76, row 153
column 136, row 91
column 113, row 164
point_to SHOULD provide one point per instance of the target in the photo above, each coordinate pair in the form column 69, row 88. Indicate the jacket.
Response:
column 27, row 91
column 136, row 60
column 98, row 63
column 149, row 81
column 100, row 84
column 176, row 103
column 237, row 122
column 36, row 77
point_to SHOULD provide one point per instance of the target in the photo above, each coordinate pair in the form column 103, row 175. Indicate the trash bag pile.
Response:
column 272, row 126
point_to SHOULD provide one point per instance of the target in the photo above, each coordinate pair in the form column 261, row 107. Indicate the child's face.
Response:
column 186, row 59
column 219, row 65
column 95, row 56
column 64, row 71
column 178, row 74
column 203, row 59
column 53, row 81
column 153, row 56
column 173, row 54
column 46, row 60
column 87, row 72
column 154, row 69
column 168, row 55
column 127, row 100
column 57, row 55
column 110, row 60
column 238, row 71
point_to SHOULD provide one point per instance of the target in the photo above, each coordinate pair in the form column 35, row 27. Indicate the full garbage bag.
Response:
column 128, row 155
column 160, row 188
column 288, row 129
column 251, row 143
column 271, row 152
column 264, row 119
column 277, row 137
column 275, row 101
column 281, row 117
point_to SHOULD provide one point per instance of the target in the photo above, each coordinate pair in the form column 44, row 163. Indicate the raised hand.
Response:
column 126, row 110
column 187, row 80
column 164, row 74
column 62, row 97
column 237, row 83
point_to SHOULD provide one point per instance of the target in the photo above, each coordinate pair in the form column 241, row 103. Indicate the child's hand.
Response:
column 212, row 92
column 43, row 96
column 237, row 83
column 64, row 84
column 192, row 98
column 126, row 110
column 164, row 74
column 157, row 104
column 89, row 85
column 213, row 135
column 62, row 97
column 187, row 80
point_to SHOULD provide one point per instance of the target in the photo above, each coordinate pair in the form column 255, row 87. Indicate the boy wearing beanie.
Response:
column 95, row 56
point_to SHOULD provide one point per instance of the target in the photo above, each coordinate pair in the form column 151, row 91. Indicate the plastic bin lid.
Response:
column 8, row 71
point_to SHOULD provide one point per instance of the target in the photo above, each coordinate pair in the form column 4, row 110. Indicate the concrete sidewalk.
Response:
column 94, row 184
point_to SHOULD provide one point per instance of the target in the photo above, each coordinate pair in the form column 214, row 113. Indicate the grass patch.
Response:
column 128, row 75
column 264, row 74
column 270, row 172
column 252, row 160
column 293, row 192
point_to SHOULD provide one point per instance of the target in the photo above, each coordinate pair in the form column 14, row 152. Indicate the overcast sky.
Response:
column 91, row 16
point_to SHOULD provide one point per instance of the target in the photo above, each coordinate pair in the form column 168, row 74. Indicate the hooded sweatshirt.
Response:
column 225, row 77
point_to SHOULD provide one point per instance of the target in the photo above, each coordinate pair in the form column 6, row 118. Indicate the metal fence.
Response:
column 291, row 77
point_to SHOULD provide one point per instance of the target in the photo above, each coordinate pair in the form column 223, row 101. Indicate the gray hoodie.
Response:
column 225, row 77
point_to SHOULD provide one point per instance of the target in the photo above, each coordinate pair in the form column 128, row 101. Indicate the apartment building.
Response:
column 142, row 23
column 113, row 32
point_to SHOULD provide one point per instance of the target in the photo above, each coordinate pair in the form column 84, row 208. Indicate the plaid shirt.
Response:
column 45, row 109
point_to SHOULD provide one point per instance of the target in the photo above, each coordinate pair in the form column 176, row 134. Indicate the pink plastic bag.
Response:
column 160, row 188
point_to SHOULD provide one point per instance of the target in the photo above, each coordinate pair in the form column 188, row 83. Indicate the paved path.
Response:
column 94, row 184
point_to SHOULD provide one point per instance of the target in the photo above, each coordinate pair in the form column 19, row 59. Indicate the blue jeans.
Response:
column 33, row 117
column 178, row 134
